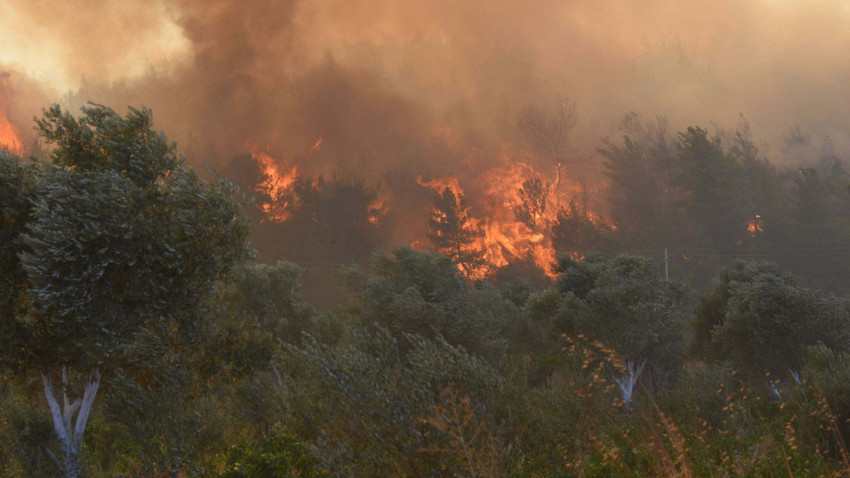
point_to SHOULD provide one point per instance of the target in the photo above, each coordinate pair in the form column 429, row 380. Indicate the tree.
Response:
column 574, row 233
column 531, row 208
column 453, row 234
column 548, row 132
column 269, row 298
column 332, row 220
column 623, row 303
column 642, row 196
column 413, row 292
column 715, row 201
column 121, row 235
column 16, row 193
column 762, row 319
column 383, row 405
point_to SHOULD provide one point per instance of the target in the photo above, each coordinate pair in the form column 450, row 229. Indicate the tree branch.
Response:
column 55, row 413
column 88, row 399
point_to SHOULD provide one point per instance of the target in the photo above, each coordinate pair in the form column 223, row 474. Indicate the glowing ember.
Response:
column 755, row 226
column 377, row 209
column 315, row 147
column 277, row 184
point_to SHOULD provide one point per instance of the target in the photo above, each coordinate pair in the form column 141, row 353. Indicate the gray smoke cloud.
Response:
column 380, row 82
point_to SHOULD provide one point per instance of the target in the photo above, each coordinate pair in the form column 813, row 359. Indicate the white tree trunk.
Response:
column 627, row 383
column 70, row 431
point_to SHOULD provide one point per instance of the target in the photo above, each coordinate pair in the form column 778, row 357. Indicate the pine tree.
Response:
column 452, row 233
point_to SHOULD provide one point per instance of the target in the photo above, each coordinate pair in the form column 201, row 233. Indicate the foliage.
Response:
column 376, row 407
column 452, row 233
column 279, row 456
column 574, row 233
column 335, row 221
column 111, row 253
column 642, row 198
column 763, row 320
column 423, row 293
column 121, row 233
column 621, row 301
column 269, row 297
column 16, row 194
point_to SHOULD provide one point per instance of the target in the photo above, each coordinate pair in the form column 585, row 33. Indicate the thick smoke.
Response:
column 401, row 88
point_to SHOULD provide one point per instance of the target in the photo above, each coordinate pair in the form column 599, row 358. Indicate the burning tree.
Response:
column 575, row 233
column 531, row 208
column 453, row 233
column 548, row 132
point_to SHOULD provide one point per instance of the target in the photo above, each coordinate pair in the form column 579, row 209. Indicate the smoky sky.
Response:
column 381, row 81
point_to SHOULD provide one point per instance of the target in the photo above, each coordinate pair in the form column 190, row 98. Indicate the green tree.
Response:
column 386, row 405
column 121, row 235
column 715, row 202
column 412, row 292
column 642, row 196
column 17, row 190
column 453, row 234
column 763, row 320
column 623, row 303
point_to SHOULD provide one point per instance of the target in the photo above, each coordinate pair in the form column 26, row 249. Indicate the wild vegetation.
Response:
column 128, row 282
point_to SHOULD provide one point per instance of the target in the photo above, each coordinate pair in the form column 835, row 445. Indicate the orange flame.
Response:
column 439, row 184
column 377, row 209
column 755, row 226
column 277, row 183
column 9, row 139
column 505, row 239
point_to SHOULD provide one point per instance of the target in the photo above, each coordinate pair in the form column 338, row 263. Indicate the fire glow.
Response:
column 9, row 138
column 503, row 238
column 277, row 182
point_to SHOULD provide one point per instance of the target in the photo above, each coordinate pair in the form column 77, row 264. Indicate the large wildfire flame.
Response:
column 495, row 195
column 9, row 138
column 504, row 239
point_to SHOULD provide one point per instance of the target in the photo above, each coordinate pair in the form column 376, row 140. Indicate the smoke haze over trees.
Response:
column 533, row 232
column 130, row 284
column 388, row 92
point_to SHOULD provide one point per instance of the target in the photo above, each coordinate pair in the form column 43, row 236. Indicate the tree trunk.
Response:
column 69, row 431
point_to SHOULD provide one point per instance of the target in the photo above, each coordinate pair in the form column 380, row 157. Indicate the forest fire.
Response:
column 9, row 137
column 512, row 213
column 341, row 237
column 276, row 184
column 755, row 226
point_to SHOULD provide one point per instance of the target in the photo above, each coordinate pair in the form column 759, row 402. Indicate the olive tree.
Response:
column 763, row 320
column 625, row 304
column 119, row 234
